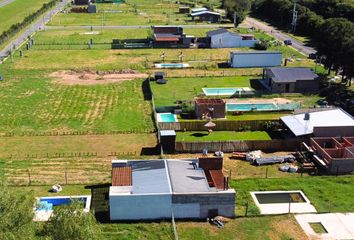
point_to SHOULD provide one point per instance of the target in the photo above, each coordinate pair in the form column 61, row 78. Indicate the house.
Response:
column 221, row 38
column 202, row 9
column 160, row 189
column 209, row 107
column 333, row 154
column 165, row 36
column 290, row 80
column 82, row 2
column 253, row 59
column 327, row 123
column 206, row 16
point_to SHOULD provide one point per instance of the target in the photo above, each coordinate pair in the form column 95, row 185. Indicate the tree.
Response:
column 71, row 222
column 16, row 214
column 240, row 7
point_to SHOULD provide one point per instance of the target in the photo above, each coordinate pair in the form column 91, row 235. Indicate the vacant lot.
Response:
column 16, row 11
column 221, row 136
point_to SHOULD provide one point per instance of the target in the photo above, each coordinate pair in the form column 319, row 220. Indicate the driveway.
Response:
column 5, row 2
column 281, row 36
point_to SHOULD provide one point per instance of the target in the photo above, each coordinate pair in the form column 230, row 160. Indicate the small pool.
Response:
column 231, row 107
column 227, row 91
column 166, row 117
column 171, row 65
column 280, row 202
column 45, row 205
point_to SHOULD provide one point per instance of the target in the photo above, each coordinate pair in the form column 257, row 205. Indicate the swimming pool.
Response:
column 231, row 107
column 45, row 205
column 226, row 91
column 166, row 117
column 171, row 65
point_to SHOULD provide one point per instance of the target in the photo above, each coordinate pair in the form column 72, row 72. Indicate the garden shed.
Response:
column 209, row 107
column 290, row 80
column 206, row 16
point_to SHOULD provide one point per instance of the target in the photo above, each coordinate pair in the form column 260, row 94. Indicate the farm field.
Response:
column 221, row 136
column 16, row 11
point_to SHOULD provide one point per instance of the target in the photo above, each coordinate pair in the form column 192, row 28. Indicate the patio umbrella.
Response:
column 210, row 125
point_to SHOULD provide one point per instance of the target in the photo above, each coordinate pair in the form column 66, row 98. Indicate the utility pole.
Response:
column 235, row 19
column 293, row 23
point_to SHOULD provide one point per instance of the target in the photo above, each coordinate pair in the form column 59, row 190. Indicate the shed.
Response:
column 206, row 16
column 209, row 107
column 92, row 8
column 253, row 59
column 331, row 123
column 159, row 75
column 183, row 9
column 291, row 80
column 195, row 10
column 167, row 140
column 222, row 38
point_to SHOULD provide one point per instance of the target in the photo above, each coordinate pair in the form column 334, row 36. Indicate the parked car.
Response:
column 312, row 55
column 288, row 42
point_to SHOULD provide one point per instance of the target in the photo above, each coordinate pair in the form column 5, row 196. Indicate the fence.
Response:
column 230, row 146
column 221, row 125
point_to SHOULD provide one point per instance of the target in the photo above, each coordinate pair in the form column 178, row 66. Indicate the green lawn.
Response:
column 34, row 103
column 221, row 136
column 16, row 11
column 188, row 88
column 257, row 116
column 328, row 193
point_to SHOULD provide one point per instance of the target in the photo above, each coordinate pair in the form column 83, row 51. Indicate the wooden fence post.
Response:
column 246, row 213
column 29, row 177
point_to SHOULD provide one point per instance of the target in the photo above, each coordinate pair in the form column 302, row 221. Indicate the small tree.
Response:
column 71, row 222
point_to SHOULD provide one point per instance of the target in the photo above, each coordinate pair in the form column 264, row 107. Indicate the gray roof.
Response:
column 330, row 118
column 204, row 12
column 167, row 133
column 185, row 179
column 216, row 32
column 149, row 177
column 292, row 74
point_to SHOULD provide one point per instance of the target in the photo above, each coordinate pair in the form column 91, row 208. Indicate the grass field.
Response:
column 221, row 136
column 16, row 11
column 188, row 88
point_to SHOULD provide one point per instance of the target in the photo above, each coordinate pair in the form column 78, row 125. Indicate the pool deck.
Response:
column 258, row 101
column 282, row 208
column 337, row 225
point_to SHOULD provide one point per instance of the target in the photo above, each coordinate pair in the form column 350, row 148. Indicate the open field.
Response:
column 221, row 136
column 16, row 11
column 35, row 103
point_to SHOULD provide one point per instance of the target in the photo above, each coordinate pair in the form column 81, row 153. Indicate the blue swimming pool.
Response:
column 171, row 65
column 49, row 203
column 166, row 117
column 221, row 91
column 231, row 107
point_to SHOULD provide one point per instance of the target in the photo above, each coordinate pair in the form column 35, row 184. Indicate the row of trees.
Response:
column 68, row 222
column 332, row 37
column 15, row 28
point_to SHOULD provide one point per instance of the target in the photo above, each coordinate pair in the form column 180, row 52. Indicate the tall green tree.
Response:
column 16, row 214
column 240, row 7
column 71, row 222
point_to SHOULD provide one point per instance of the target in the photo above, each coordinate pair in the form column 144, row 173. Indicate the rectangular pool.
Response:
column 226, row 91
column 280, row 202
column 246, row 107
column 166, row 117
column 45, row 205
column 171, row 65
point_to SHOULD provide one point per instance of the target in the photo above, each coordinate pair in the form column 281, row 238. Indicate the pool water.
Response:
column 251, row 107
column 171, row 65
column 166, row 117
column 269, row 198
column 50, row 203
column 221, row 91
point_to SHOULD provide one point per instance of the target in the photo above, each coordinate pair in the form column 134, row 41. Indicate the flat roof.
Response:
column 330, row 118
column 185, row 178
column 255, row 52
column 149, row 177
column 292, row 74
column 167, row 133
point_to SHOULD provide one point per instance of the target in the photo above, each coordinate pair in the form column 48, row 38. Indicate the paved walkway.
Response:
column 281, row 36
column 337, row 225
column 5, row 2
column 36, row 25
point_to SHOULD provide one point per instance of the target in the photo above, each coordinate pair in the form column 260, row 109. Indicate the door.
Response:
column 287, row 87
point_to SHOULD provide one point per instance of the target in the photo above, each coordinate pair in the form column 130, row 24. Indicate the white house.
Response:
column 255, row 59
column 158, row 189
column 221, row 38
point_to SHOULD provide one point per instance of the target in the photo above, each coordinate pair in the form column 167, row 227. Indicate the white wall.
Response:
column 228, row 40
column 136, row 207
column 255, row 60
column 186, row 210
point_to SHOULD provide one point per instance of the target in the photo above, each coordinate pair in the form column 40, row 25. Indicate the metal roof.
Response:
column 166, row 37
column 330, row 118
column 292, row 74
column 254, row 52
column 216, row 32
column 199, row 9
column 204, row 12
column 149, row 177
column 167, row 133
column 185, row 178
column 121, row 176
